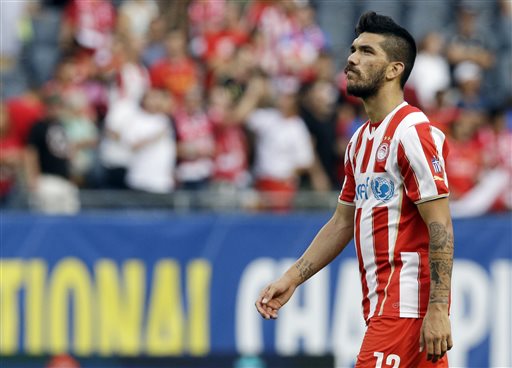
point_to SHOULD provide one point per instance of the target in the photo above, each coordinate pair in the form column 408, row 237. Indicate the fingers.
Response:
column 444, row 348
column 266, row 309
column 429, row 342
column 450, row 342
column 267, row 294
column 436, row 348
column 262, row 308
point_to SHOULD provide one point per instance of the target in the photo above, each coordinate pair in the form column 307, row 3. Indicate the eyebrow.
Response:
column 362, row 47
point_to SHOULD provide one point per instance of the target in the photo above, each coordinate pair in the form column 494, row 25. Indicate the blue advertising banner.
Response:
column 184, row 285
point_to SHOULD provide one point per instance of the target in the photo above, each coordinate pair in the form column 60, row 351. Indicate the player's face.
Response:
column 366, row 65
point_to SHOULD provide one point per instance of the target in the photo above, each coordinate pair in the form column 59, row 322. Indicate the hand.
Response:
column 436, row 335
column 274, row 296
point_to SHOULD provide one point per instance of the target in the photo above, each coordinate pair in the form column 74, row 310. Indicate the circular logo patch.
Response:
column 382, row 188
column 382, row 151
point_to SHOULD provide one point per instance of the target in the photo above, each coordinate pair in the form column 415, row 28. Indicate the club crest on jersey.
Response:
column 382, row 188
column 382, row 152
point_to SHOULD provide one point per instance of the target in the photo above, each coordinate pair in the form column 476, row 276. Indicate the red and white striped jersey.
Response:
column 389, row 168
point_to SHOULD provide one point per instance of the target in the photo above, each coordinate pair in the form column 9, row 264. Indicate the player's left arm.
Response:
column 436, row 337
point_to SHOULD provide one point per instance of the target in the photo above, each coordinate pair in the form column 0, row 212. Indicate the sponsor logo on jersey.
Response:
column 382, row 188
column 436, row 164
column 438, row 178
column 362, row 190
column 382, row 152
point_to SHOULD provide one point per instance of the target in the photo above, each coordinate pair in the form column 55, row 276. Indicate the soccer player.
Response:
column 394, row 203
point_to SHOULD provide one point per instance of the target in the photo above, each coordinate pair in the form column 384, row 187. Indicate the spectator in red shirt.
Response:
column 204, row 15
column 10, row 157
column 466, row 158
column 196, row 144
column 496, row 141
column 490, row 188
column 231, row 149
column 24, row 111
column 91, row 25
column 221, row 42
column 177, row 73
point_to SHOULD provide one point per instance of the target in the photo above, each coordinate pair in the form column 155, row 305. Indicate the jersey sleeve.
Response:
column 348, row 191
column 422, row 153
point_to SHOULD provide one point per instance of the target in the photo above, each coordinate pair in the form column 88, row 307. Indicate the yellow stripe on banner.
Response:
column 35, row 278
column 198, row 290
column 120, row 307
column 165, row 334
column 70, row 280
column 11, row 279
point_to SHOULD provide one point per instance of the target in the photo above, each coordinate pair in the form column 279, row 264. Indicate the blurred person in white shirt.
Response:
column 430, row 62
column 114, row 154
column 283, row 150
column 283, row 145
column 153, row 146
column 129, row 81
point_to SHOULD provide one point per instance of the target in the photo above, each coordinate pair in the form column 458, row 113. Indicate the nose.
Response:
column 352, row 59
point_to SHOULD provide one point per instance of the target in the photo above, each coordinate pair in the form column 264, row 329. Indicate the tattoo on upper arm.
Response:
column 441, row 262
column 305, row 268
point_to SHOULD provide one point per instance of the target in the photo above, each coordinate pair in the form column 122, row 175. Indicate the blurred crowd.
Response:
column 156, row 96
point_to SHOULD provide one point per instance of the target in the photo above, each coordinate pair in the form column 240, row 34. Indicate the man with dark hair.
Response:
column 394, row 203
column 398, row 44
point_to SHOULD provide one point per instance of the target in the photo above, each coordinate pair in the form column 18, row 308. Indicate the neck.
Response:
column 380, row 105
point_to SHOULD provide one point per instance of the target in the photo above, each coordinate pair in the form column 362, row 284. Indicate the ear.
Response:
column 395, row 70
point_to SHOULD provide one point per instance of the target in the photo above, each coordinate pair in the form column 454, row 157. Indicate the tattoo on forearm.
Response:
column 305, row 268
column 441, row 262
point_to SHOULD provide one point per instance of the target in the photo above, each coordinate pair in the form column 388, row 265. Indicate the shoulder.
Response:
column 413, row 122
column 421, row 130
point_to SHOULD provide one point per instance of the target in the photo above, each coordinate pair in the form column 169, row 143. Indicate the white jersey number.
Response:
column 392, row 360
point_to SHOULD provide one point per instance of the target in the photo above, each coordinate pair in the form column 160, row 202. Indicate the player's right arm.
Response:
column 332, row 238
column 327, row 244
